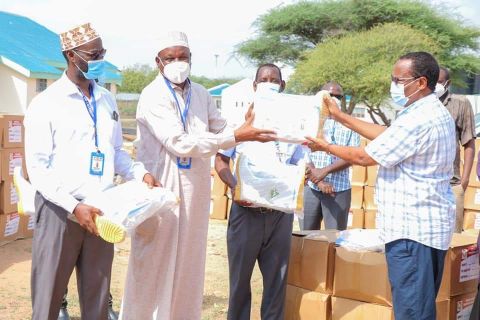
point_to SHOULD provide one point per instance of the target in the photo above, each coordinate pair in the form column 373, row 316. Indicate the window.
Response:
column 41, row 85
column 108, row 86
column 218, row 103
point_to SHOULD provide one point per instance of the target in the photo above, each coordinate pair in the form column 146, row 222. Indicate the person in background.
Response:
column 462, row 114
column 329, row 194
column 255, row 233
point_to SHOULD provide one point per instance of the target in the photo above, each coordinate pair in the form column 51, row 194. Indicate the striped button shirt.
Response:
column 334, row 133
column 413, row 193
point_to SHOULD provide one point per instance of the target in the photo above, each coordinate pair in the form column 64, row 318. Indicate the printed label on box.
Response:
column 13, row 222
column 14, row 131
column 31, row 222
column 469, row 268
column 13, row 194
column 477, row 197
column 14, row 160
column 476, row 224
column 464, row 309
column 350, row 219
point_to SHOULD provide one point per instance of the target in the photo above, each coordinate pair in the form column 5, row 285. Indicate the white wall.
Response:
column 236, row 99
column 13, row 91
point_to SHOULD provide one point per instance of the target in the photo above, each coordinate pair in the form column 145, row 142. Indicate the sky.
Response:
column 129, row 29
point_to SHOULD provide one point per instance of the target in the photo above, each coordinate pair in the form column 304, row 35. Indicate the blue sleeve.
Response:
column 228, row 153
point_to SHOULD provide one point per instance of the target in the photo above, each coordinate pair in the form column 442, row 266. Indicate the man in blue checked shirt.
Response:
column 416, row 206
column 258, row 234
column 330, row 192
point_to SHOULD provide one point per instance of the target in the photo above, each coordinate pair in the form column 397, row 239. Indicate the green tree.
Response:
column 285, row 33
column 362, row 62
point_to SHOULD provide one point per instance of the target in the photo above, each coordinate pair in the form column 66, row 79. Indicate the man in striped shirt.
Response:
column 416, row 206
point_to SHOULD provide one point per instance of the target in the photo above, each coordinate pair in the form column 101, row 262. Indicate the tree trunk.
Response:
column 375, row 110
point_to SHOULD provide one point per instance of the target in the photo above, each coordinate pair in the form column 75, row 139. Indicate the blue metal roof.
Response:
column 217, row 90
column 33, row 47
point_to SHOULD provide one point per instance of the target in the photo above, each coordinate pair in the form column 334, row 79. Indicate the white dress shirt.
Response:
column 59, row 140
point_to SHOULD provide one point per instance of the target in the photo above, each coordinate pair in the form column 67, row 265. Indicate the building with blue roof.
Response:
column 216, row 93
column 30, row 60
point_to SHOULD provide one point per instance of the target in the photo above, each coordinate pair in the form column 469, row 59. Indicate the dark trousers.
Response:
column 318, row 206
column 415, row 274
column 264, row 237
column 65, row 301
column 59, row 246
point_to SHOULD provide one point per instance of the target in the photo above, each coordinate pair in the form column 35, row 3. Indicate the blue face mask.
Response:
column 397, row 93
column 96, row 69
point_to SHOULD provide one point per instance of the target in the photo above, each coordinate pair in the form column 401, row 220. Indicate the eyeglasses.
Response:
column 396, row 80
column 338, row 96
column 94, row 55
column 170, row 60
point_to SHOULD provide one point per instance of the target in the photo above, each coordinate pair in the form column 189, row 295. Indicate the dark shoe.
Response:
column 112, row 315
column 63, row 314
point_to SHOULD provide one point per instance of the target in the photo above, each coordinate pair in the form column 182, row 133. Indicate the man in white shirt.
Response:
column 73, row 141
column 179, row 129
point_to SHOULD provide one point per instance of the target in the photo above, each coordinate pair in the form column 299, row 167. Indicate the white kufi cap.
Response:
column 173, row 39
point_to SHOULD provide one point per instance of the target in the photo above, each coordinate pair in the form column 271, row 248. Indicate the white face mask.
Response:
column 440, row 89
column 177, row 72
column 268, row 86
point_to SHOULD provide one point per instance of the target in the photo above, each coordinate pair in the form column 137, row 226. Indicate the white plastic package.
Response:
column 131, row 203
column 25, row 192
column 361, row 240
column 270, row 184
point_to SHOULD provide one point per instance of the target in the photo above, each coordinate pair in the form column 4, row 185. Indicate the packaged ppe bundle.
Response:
column 361, row 240
column 25, row 192
column 292, row 117
column 270, row 184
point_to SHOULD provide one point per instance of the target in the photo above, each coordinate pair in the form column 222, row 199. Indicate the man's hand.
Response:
column 326, row 188
column 86, row 216
column 317, row 144
column 315, row 174
column 151, row 181
column 333, row 109
column 240, row 202
column 247, row 132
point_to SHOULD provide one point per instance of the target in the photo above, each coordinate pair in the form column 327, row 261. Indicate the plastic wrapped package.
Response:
column 361, row 240
column 25, row 192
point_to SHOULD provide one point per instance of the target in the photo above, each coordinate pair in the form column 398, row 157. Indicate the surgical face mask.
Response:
column 440, row 89
column 268, row 86
column 397, row 92
column 177, row 71
column 96, row 68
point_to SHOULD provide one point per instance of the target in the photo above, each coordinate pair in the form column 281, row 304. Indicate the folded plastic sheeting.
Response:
column 361, row 240
column 131, row 203
column 292, row 117
column 25, row 192
column 270, row 184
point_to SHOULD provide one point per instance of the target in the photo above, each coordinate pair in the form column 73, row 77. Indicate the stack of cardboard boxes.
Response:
column 12, row 225
column 219, row 203
column 356, row 216
column 471, row 219
column 327, row 282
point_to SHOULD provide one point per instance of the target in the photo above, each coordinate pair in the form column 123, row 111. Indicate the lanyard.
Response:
column 92, row 110
column 183, row 115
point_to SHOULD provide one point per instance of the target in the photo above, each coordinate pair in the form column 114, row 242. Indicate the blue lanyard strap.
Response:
column 92, row 110
column 183, row 115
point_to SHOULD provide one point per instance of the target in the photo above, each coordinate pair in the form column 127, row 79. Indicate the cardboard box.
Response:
column 372, row 175
column 9, row 227
column 11, row 158
column 473, row 180
column 357, row 197
column 358, row 175
column 312, row 257
column 8, row 197
column 218, row 207
column 461, row 269
column 361, row 276
column 229, row 207
column 27, row 224
column 347, row 309
column 356, row 219
column 369, row 198
column 370, row 219
column 472, row 198
column 12, row 131
column 302, row 304
column 471, row 220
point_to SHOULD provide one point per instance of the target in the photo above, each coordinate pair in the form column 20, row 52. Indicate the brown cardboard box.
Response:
column 9, row 227
column 27, row 224
column 372, row 175
column 473, row 180
column 356, row 219
column 370, row 219
column 8, row 197
column 461, row 271
column 218, row 187
column 11, row 158
column 460, row 306
column 369, row 198
column 312, row 257
column 472, row 198
column 347, row 309
column 471, row 220
column 229, row 207
column 12, row 131
column 359, row 175
column 302, row 304
column 357, row 197
column 361, row 276
column 218, row 207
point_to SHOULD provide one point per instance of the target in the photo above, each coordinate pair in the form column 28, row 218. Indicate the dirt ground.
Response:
column 15, row 264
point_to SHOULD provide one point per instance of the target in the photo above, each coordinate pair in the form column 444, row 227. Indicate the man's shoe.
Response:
column 112, row 315
column 63, row 314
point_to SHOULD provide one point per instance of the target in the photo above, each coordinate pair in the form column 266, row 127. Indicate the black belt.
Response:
column 260, row 209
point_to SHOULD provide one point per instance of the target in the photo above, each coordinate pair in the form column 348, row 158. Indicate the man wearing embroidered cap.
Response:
column 179, row 129
column 73, row 141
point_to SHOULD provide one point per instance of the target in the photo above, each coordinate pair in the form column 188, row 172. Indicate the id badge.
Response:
column 97, row 161
column 184, row 162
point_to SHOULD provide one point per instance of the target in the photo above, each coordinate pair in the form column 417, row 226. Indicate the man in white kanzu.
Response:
column 179, row 129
